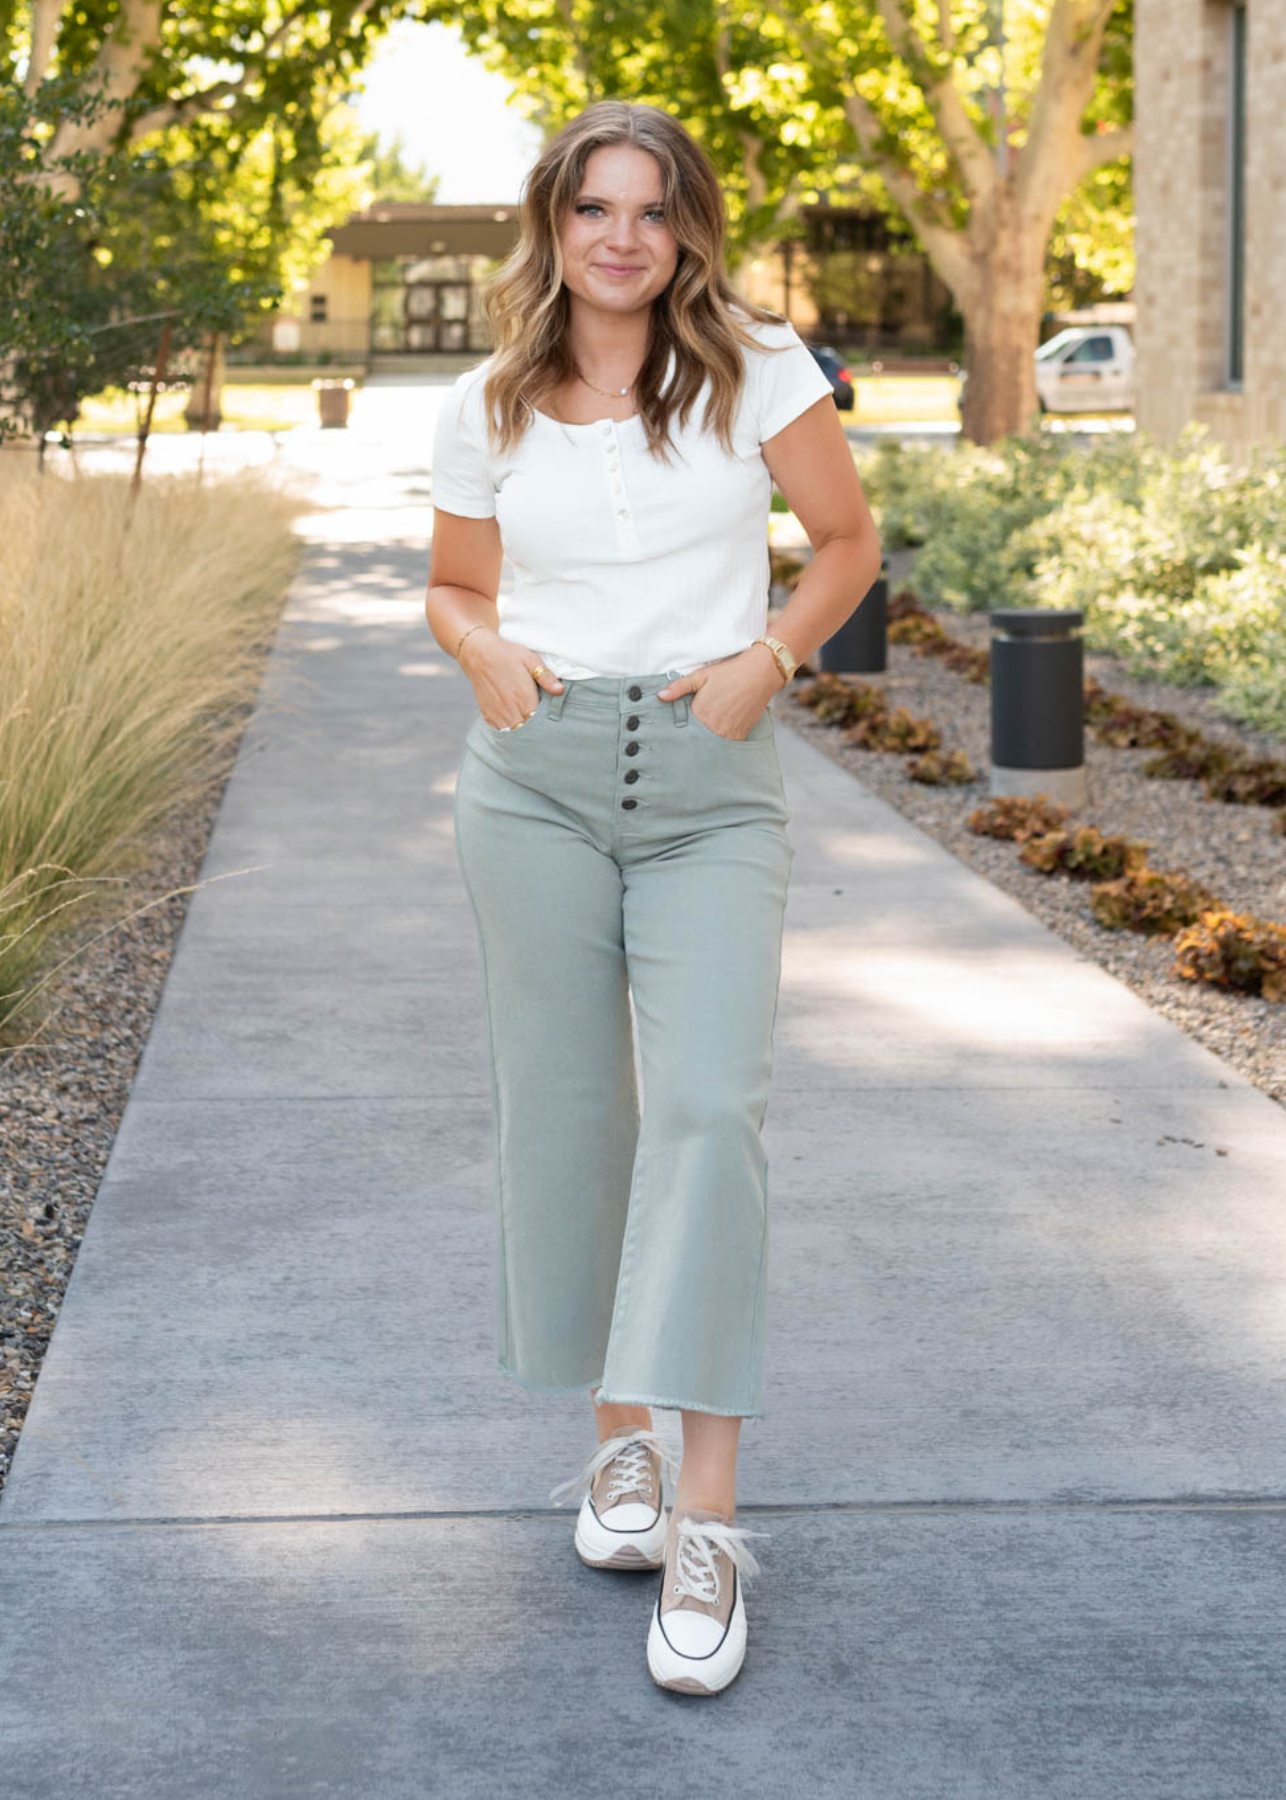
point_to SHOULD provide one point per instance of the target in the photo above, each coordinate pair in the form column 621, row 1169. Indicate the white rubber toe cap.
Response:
column 631, row 1516
column 692, row 1633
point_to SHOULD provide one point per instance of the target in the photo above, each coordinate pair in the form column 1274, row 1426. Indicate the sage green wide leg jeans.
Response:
column 616, row 846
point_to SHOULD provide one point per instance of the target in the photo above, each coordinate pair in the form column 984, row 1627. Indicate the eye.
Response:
column 584, row 206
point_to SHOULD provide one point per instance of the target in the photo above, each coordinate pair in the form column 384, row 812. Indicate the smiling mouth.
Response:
column 621, row 268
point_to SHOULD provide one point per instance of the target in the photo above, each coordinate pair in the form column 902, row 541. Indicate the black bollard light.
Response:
column 1038, row 703
column 861, row 645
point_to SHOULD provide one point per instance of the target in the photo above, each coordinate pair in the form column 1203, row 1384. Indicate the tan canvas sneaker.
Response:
column 697, row 1638
column 622, row 1520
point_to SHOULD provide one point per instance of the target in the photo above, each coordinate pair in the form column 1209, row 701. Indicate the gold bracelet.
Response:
column 465, row 634
column 781, row 656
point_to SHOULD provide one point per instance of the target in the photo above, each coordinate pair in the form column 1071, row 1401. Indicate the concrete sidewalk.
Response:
column 278, row 1525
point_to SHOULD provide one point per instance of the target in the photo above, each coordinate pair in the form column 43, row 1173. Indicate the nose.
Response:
column 622, row 237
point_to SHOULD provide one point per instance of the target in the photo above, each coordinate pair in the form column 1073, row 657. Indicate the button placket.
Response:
column 632, row 746
column 622, row 516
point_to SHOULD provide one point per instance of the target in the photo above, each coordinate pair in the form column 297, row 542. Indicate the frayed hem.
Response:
column 669, row 1405
column 547, row 1387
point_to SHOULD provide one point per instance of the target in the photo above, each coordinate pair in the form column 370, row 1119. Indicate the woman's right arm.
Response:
column 464, row 581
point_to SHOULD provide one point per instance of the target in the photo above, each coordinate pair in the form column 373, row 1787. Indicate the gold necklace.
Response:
column 608, row 394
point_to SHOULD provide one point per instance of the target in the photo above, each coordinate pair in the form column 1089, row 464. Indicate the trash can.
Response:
column 1038, row 703
column 861, row 645
column 332, row 400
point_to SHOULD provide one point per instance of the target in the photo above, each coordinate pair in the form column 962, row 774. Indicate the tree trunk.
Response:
column 1002, row 314
column 204, row 410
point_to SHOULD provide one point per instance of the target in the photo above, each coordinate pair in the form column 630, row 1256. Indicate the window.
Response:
column 317, row 309
column 1093, row 350
column 1235, row 334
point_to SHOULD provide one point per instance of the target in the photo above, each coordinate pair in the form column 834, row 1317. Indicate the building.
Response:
column 1210, row 193
column 405, row 280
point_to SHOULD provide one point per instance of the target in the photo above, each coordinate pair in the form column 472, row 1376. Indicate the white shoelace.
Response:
column 698, row 1572
column 631, row 1451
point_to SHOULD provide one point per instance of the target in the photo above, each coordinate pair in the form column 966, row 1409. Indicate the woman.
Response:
column 621, row 821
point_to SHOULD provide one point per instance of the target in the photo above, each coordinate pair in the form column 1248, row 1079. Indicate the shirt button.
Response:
column 622, row 512
column 607, row 431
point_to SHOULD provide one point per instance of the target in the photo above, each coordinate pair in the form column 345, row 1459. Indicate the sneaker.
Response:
column 622, row 1520
column 697, row 1640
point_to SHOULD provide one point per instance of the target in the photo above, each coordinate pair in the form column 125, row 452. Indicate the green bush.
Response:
column 1176, row 556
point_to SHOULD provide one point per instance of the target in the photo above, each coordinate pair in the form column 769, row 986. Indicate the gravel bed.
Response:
column 61, row 1099
column 1234, row 850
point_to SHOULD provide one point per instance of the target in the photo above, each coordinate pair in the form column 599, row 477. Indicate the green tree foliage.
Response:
column 983, row 124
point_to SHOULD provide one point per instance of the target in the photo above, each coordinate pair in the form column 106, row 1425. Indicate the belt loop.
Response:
column 559, row 700
column 678, row 706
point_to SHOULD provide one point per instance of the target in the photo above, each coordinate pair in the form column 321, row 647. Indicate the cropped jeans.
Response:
column 614, row 846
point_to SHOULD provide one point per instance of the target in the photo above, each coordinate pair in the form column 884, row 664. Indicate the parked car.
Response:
column 832, row 365
column 1086, row 368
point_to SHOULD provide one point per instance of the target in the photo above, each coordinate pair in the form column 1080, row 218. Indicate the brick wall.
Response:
column 1182, row 66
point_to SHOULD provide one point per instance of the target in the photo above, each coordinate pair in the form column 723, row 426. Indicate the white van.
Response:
column 1086, row 368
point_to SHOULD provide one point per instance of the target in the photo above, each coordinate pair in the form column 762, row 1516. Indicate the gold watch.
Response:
column 782, row 656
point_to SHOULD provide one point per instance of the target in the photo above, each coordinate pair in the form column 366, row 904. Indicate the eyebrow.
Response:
column 599, row 201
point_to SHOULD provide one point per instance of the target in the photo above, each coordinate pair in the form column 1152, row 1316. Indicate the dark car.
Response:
column 836, row 372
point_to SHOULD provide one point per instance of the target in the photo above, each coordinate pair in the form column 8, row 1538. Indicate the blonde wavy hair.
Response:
column 529, row 308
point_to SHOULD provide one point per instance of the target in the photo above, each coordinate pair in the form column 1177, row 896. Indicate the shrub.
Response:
column 898, row 730
column 1195, row 757
column 1129, row 727
column 1176, row 557
column 1016, row 816
column 1084, row 852
column 936, row 770
column 1247, row 781
column 840, row 702
column 1235, row 950
column 1150, row 900
column 131, row 639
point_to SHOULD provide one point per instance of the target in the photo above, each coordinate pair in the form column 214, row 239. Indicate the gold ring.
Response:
column 540, row 669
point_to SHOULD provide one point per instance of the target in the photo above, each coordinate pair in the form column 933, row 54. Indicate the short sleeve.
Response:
column 462, row 481
column 789, row 380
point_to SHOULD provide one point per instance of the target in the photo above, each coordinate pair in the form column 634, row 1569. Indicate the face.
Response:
column 618, row 251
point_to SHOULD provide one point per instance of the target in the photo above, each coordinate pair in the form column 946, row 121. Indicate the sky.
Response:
column 451, row 113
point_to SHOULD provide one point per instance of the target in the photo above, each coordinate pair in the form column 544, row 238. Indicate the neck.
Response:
column 609, row 347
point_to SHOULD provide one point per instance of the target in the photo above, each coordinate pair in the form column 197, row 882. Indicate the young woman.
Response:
column 621, row 822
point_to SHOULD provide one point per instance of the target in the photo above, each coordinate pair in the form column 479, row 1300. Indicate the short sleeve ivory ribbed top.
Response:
column 624, row 565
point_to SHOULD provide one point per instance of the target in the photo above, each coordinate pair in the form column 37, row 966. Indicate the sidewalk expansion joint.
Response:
column 520, row 1514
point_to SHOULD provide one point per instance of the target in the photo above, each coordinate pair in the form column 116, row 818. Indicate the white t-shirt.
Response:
column 623, row 565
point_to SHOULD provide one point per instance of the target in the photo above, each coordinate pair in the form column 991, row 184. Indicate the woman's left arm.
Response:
column 811, row 462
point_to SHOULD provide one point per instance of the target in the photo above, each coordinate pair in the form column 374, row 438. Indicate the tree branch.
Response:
column 958, row 131
column 46, row 16
column 1099, row 147
column 1069, row 64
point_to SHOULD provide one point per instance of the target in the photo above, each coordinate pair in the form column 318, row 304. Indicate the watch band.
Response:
column 781, row 654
